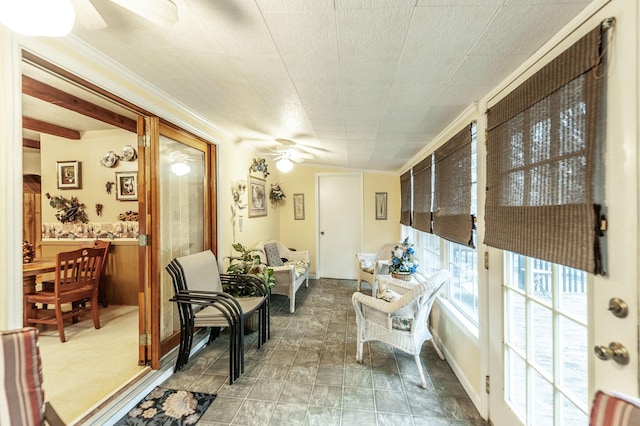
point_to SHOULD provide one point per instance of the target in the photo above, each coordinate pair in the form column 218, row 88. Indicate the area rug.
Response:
column 165, row 406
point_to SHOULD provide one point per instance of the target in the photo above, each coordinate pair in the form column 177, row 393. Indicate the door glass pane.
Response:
column 181, row 199
column 516, row 322
column 542, row 329
column 545, row 308
column 571, row 415
column 516, row 391
column 573, row 338
column 542, row 408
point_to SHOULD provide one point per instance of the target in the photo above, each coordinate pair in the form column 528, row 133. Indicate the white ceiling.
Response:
column 366, row 82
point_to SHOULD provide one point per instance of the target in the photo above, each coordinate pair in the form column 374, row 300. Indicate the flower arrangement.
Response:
column 277, row 194
column 403, row 259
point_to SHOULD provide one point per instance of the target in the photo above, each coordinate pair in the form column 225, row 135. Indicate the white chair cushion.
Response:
column 368, row 266
column 201, row 271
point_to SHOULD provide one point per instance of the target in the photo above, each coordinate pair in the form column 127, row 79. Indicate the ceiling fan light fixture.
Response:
column 284, row 165
column 163, row 12
column 180, row 169
column 48, row 18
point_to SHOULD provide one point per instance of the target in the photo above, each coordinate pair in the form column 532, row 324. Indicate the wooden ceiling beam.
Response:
column 30, row 143
column 48, row 128
column 36, row 89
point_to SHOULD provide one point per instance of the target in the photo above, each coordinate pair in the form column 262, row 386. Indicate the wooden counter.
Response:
column 121, row 275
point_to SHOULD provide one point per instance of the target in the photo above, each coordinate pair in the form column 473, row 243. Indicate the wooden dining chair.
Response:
column 77, row 276
column 106, row 245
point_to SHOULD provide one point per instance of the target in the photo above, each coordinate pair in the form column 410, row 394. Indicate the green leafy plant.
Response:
column 248, row 262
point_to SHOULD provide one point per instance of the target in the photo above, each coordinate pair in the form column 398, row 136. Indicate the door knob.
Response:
column 321, row 232
column 615, row 351
column 618, row 307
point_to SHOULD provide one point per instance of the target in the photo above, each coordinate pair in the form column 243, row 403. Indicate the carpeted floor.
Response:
column 92, row 363
column 164, row 406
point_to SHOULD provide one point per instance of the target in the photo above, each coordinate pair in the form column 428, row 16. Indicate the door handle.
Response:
column 615, row 351
column 618, row 307
column 321, row 232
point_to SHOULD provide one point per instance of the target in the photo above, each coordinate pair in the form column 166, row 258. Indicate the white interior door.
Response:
column 339, row 224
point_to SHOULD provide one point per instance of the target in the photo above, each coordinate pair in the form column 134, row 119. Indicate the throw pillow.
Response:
column 402, row 323
column 273, row 256
column 367, row 266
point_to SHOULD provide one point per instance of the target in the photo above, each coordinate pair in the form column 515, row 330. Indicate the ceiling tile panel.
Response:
column 528, row 26
column 249, row 35
column 269, row 77
column 306, row 33
column 422, row 3
column 426, row 69
column 485, row 70
column 365, row 95
column 362, row 70
column 416, row 95
column 295, row 5
column 447, row 30
column 373, row 4
column 372, row 32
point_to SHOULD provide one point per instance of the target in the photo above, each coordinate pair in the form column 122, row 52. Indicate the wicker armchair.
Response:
column 369, row 265
column 401, row 322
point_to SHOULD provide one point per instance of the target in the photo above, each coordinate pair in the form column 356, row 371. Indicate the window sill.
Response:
column 459, row 320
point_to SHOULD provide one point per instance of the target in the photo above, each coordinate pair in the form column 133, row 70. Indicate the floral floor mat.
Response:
column 165, row 406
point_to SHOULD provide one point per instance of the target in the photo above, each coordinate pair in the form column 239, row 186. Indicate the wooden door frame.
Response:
column 157, row 347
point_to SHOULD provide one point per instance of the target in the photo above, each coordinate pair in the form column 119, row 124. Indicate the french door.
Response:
column 183, row 212
column 542, row 367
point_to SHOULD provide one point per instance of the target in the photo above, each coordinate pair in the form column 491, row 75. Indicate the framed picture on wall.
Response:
column 68, row 173
column 257, row 197
column 127, row 186
column 298, row 206
column 381, row 206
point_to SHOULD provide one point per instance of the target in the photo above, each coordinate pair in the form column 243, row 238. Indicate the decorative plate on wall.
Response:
column 128, row 153
column 109, row 160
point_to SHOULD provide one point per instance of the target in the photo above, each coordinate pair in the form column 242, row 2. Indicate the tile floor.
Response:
column 306, row 374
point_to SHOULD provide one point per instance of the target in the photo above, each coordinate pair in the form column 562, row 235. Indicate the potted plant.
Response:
column 248, row 263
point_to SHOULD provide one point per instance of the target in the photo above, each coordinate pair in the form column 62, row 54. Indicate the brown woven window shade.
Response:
column 541, row 145
column 452, row 218
column 422, row 195
column 405, row 198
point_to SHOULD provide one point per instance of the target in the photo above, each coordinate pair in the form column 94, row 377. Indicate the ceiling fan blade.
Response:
column 161, row 12
column 295, row 154
column 87, row 15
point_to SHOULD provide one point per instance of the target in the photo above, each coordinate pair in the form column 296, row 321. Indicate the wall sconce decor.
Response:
column 260, row 165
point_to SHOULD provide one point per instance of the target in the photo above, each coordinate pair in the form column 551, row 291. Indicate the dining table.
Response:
column 30, row 271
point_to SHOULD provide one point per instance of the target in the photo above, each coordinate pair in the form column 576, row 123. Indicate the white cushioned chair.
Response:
column 290, row 268
column 402, row 322
column 370, row 264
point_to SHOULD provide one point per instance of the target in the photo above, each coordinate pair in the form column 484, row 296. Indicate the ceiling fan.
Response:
column 289, row 153
column 161, row 12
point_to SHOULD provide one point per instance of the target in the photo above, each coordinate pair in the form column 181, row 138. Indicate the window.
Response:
column 545, row 341
column 543, row 162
